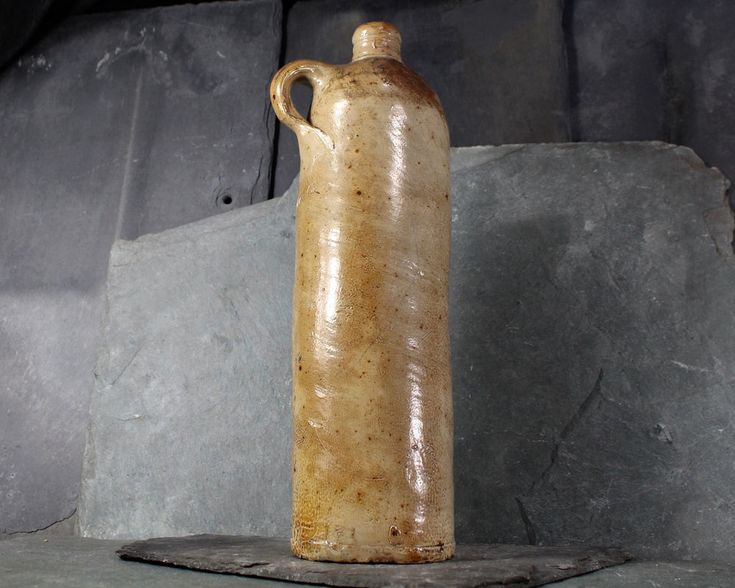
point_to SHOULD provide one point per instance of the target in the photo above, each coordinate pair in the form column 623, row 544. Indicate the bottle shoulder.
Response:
column 381, row 78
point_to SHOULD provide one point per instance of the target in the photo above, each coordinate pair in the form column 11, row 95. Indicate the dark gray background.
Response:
column 120, row 123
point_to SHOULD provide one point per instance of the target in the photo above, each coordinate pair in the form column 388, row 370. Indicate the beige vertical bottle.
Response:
column 372, row 401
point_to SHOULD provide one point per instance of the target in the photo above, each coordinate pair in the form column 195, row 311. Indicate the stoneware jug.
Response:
column 372, row 401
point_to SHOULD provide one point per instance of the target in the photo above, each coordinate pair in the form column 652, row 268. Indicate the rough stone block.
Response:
column 592, row 311
column 190, row 421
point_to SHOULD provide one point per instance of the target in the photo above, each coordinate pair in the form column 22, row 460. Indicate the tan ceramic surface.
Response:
column 372, row 453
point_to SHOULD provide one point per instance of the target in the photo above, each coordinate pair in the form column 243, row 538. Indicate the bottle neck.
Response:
column 376, row 39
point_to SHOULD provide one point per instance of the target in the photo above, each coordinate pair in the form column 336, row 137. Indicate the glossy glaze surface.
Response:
column 372, row 447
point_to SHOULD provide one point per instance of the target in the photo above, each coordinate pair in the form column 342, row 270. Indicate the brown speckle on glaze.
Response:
column 370, row 308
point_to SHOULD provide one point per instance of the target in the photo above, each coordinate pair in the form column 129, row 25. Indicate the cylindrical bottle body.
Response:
column 372, row 406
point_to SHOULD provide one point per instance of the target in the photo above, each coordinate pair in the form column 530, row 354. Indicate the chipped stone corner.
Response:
column 696, row 163
column 720, row 223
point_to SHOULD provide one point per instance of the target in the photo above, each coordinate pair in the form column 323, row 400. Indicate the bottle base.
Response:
column 354, row 553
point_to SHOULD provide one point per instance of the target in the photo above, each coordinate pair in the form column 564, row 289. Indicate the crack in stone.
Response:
column 127, row 365
column 256, row 182
column 570, row 426
column 47, row 527
column 483, row 158
column 583, row 408
column 530, row 529
column 721, row 229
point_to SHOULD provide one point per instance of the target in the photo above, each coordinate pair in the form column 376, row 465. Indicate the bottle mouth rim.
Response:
column 376, row 39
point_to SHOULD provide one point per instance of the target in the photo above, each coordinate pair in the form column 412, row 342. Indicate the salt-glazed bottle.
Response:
column 372, row 400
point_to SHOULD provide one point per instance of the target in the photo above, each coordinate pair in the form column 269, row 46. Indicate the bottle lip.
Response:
column 376, row 39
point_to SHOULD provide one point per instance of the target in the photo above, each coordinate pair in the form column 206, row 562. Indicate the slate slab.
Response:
column 472, row 566
column 591, row 317
column 190, row 428
column 498, row 66
column 593, row 351
column 112, row 126
column 75, row 562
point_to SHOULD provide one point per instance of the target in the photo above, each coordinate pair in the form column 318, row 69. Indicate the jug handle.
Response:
column 314, row 72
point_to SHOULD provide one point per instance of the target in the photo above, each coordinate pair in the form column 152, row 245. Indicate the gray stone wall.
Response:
column 113, row 126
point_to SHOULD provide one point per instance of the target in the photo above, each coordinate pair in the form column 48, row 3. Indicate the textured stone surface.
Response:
column 681, row 574
column 472, row 565
column 113, row 125
column 191, row 417
column 592, row 306
column 498, row 66
column 90, row 563
column 593, row 358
